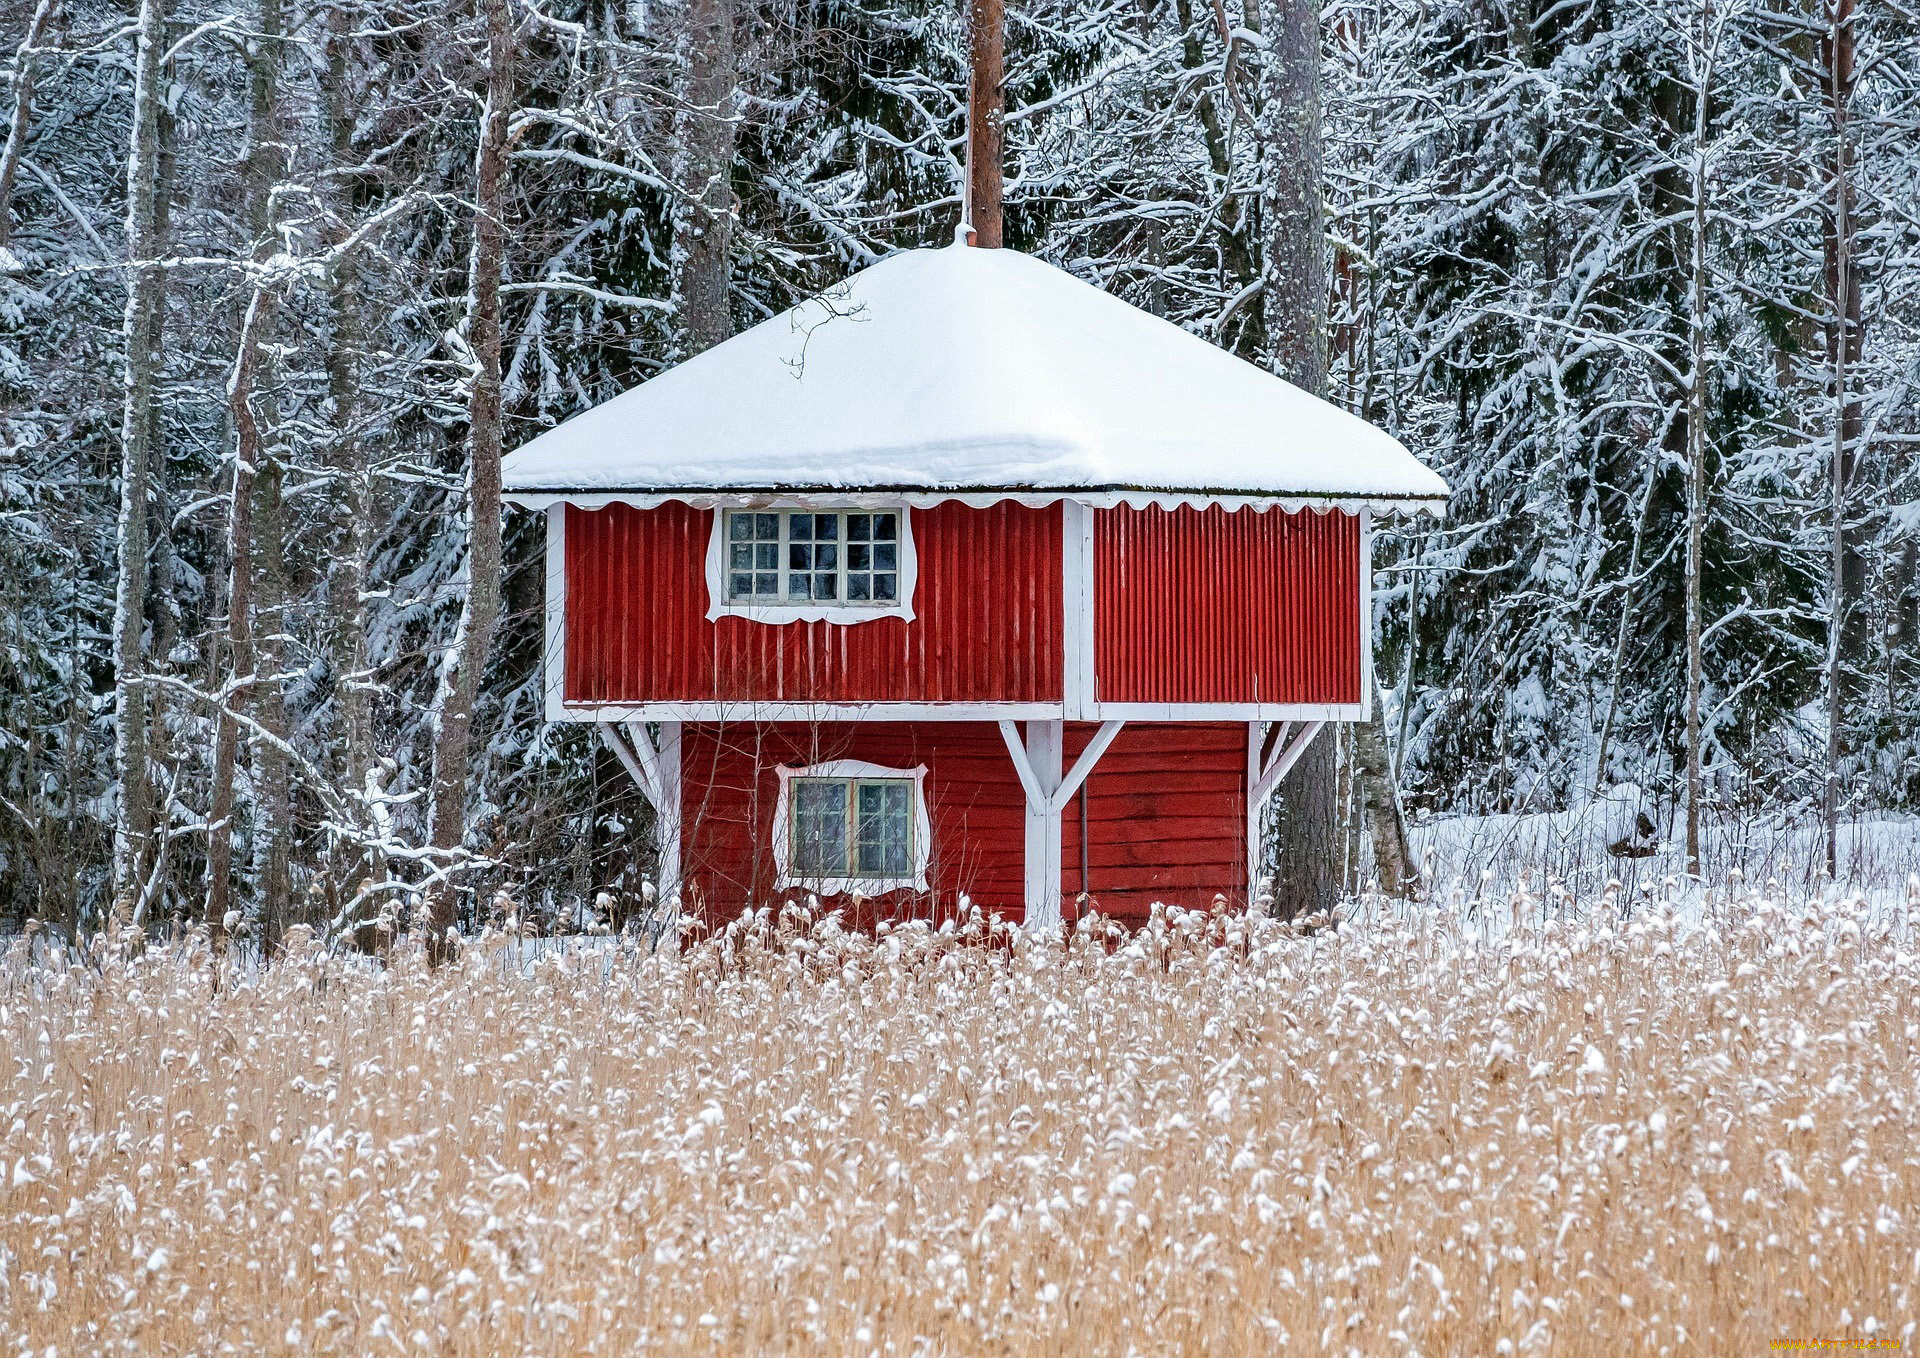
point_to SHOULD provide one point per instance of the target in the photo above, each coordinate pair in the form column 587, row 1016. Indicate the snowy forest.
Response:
column 1640, row 278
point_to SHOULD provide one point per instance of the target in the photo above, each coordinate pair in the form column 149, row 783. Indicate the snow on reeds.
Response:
column 1215, row 1136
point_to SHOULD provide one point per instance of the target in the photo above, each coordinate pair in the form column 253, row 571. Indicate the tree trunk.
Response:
column 354, row 508
column 240, row 650
column 1306, row 877
column 264, row 167
column 1394, row 868
column 273, row 832
column 133, row 821
column 23, row 72
column 704, row 212
column 1696, row 463
column 986, row 120
column 1847, row 620
column 466, row 660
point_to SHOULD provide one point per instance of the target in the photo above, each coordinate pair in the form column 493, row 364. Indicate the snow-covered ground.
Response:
column 1471, row 860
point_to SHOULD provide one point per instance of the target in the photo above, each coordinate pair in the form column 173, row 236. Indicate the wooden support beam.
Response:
column 1272, row 751
column 1077, row 620
column 1037, row 759
column 1010, row 733
column 1084, row 765
column 1281, row 763
column 630, row 761
column 656, row 768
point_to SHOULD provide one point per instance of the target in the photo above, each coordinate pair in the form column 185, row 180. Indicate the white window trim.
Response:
column 785, row 880
column 719, row 605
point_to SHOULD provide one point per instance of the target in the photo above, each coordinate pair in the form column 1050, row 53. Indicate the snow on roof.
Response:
column 969, row 370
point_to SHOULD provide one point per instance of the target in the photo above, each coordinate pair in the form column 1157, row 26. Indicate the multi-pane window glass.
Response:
column 852, row 827
column 798, row 557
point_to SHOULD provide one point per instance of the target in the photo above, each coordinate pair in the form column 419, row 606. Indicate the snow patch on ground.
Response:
column 1478, row 860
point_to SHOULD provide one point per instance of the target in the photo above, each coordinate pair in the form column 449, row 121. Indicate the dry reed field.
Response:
column 1216, row 1136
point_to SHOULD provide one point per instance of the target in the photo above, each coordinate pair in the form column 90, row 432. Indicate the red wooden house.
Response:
column 964, row 577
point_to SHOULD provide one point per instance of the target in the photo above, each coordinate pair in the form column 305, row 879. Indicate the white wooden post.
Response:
column 667, row 818
column 1366, row 615
column 657, row 770
column 1264, row 775
column 553, row 671
column 1038, row 761
column 1256, row 740
column 1076, row 631
column 1045, row 747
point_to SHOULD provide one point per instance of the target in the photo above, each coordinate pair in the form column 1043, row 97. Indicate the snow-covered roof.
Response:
column 967, row 371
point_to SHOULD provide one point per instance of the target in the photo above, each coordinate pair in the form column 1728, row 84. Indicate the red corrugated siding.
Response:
column 987, row 624
column 1166, row 814
column 1212, row 606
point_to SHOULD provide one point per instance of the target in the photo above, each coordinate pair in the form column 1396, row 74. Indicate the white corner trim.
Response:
column 1077, row 610
column 784, row 878
column 1366, row 615
column 553, row 668
column 844, row 614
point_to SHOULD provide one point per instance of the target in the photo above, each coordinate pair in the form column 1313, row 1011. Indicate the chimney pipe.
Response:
column 986, row 118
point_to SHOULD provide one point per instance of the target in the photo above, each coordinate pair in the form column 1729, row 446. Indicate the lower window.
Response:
column 848, row 826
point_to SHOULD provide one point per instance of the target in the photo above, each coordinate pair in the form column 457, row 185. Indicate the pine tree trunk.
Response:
column 264, row 167
column 1696, row 470
column 466, row 660
column 986, row 120
column 355, row 508
column 240, row 649
column 23, row 73
column 274, row 832
column 1306, row 876
column 1394, row 868
column 133, row 823
column 704, row 213
column 1847, row 641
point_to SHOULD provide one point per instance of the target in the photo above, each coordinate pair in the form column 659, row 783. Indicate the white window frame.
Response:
column 857, row 770
column 720, row 605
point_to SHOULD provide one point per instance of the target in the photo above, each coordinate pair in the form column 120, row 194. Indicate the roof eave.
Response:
column 1407, row 504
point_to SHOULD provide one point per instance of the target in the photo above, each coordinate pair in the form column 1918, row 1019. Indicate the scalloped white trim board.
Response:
column 1107, row 498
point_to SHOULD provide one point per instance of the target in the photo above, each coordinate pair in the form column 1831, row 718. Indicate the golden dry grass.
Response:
column 1214, row 1137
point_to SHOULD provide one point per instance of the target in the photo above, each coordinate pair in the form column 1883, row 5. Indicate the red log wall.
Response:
column 1166, row 813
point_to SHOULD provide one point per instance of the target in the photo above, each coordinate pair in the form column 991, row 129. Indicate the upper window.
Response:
column 790, row 564
column 836, row 556
column 848, row 826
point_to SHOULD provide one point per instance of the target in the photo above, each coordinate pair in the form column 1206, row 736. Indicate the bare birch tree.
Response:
column 133, row 826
